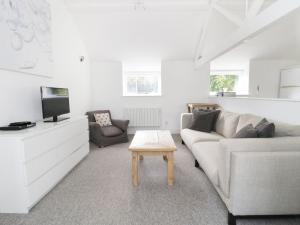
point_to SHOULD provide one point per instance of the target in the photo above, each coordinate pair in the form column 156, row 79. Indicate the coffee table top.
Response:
column 152, row 140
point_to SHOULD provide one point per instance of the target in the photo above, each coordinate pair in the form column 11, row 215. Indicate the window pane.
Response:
column 141, row 83
column 223, row 82
column 147, row 85
column 131, row 85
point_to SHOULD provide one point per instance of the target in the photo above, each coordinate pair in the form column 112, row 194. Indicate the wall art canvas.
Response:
column 25, row 36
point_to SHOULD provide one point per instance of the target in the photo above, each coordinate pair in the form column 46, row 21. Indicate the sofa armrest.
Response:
column 256, row 172
column 186, row 120
column 122, row 124
column 265, row 183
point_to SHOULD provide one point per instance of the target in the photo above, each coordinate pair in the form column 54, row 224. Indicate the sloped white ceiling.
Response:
column 280, row 41
column 140, row 36
column 149, row 30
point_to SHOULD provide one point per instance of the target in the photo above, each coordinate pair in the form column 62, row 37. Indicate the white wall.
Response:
column 266, row 74
column 181, row 84
column 20, row 93
column 276, row 109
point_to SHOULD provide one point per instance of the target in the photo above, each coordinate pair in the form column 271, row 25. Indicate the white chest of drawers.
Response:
column 33, row 161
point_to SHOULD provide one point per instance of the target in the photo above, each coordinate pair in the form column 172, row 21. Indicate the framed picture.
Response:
column 26, row 40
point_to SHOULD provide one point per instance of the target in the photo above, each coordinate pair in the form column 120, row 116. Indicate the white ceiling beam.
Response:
column 250, row 28
column 193, row 5
column 204, row 29
column 255, row 8
column 228, row 15
column 246, row 8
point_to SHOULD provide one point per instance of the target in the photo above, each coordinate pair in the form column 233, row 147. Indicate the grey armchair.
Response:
column 104, row 136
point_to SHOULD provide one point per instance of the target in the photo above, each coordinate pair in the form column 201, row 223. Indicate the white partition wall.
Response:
column 290, row 83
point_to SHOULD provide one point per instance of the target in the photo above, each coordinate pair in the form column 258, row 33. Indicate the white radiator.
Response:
column 143, row 117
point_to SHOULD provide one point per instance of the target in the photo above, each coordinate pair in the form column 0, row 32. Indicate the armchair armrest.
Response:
column 122, row 124
column 186, row 120
column 95, row 128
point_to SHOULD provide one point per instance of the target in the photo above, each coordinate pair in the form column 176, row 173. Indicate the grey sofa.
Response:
column 104, row 136
column 255, row 176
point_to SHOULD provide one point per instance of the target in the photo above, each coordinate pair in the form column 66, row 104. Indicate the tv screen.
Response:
column 55, row 102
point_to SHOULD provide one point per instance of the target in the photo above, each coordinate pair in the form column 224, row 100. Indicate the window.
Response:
column 228, row 81
column 142, row 83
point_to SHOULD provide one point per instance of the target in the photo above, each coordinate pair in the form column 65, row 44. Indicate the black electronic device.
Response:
column 23, row 123
column 55, row 102
column 18, row 126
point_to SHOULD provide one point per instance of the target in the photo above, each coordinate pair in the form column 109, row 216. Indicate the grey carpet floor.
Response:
column 99, row 192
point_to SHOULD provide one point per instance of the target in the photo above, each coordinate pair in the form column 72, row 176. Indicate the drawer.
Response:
column 43, row 163
column 42, row 143
column 44, row 184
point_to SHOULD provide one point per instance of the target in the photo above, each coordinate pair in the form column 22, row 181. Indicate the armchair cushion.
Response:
column 111, row 131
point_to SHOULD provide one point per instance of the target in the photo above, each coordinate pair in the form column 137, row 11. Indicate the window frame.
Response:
column 152, row 73
column 238, row 73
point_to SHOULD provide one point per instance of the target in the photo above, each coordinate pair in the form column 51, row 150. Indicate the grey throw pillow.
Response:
column 247, row 132
column 216, row 113
column 265, row 129
column 203, row 120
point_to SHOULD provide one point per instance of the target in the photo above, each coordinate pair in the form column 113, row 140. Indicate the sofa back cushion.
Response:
column 246, row 119
column 227, row 123
column 285, row 129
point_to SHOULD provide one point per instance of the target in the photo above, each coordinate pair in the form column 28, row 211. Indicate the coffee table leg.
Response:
column 135, row 174
column 170, row 168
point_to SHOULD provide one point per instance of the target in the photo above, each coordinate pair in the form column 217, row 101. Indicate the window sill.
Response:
column 158, row 95
column 257, row 98
column 239, row 96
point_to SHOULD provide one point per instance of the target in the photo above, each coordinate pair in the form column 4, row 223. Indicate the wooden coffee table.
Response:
column 152, row 143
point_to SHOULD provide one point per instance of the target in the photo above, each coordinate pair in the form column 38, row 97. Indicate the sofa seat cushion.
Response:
column 227, row 123
column 206, row 154
column 192, row 136
column 111, row 131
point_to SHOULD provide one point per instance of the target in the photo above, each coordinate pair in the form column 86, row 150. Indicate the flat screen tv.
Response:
column 55, row 102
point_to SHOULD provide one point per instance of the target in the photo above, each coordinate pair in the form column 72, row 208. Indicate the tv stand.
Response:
column 33, row 161
column 56, row 119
